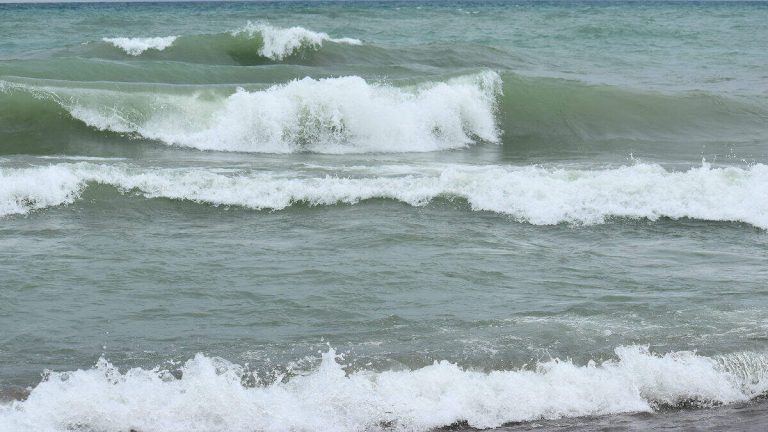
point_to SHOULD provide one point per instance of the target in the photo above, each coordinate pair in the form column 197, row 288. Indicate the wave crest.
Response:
column 136, row 46
column 278, row 43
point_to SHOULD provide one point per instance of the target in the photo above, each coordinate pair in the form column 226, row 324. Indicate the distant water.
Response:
column 356, row 216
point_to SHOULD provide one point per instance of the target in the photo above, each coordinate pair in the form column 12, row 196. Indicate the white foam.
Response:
column 532, row 194
column 25, row 189
column 136, row 46
column 210, row 397
column 337, row 115
column 279, row 43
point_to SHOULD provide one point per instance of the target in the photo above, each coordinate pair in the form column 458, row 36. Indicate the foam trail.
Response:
column 278, row 43
column 209, row 395
column 338, row 115
column 541, row 196
column 136, row 46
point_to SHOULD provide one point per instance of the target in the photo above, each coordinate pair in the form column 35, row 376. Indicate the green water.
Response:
column 565, row 202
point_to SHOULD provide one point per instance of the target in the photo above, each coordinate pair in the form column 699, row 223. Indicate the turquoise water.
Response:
column 382, row 215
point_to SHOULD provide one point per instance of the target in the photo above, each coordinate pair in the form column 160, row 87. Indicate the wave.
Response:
column 23, row 190
column 278, row 43
column 536, row 195
column 335, row 115
column 136, row 46
column 351, row 115
column 548, row 111
column 255, row 43
column 209, row 394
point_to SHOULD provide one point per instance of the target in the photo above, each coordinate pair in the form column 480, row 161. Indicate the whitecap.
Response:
column 278, row 43
column 136, row 46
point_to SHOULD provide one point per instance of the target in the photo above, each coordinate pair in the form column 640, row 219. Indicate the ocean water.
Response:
column 396, row 216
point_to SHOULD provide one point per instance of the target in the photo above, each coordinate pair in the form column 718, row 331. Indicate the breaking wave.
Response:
column 536, row 195
column 254, row 43
column 212, row 394
column 335, row 115
column 278, row 43
column 136, row 46
column 352, row 115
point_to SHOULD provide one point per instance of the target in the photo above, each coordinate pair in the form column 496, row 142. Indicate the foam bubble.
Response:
column 336, row 115
column 209, row 395
column 279, row 43
column 537, row 195
column 136, row 46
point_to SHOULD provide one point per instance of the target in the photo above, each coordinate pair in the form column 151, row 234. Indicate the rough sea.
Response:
column 383, row 216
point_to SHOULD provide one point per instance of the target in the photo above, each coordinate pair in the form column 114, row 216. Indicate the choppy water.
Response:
column 383, row 216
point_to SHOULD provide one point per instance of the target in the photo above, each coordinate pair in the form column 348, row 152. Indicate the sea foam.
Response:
column 537, row 195
column 335, row 115
column 136, row 46
column 209, row 394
